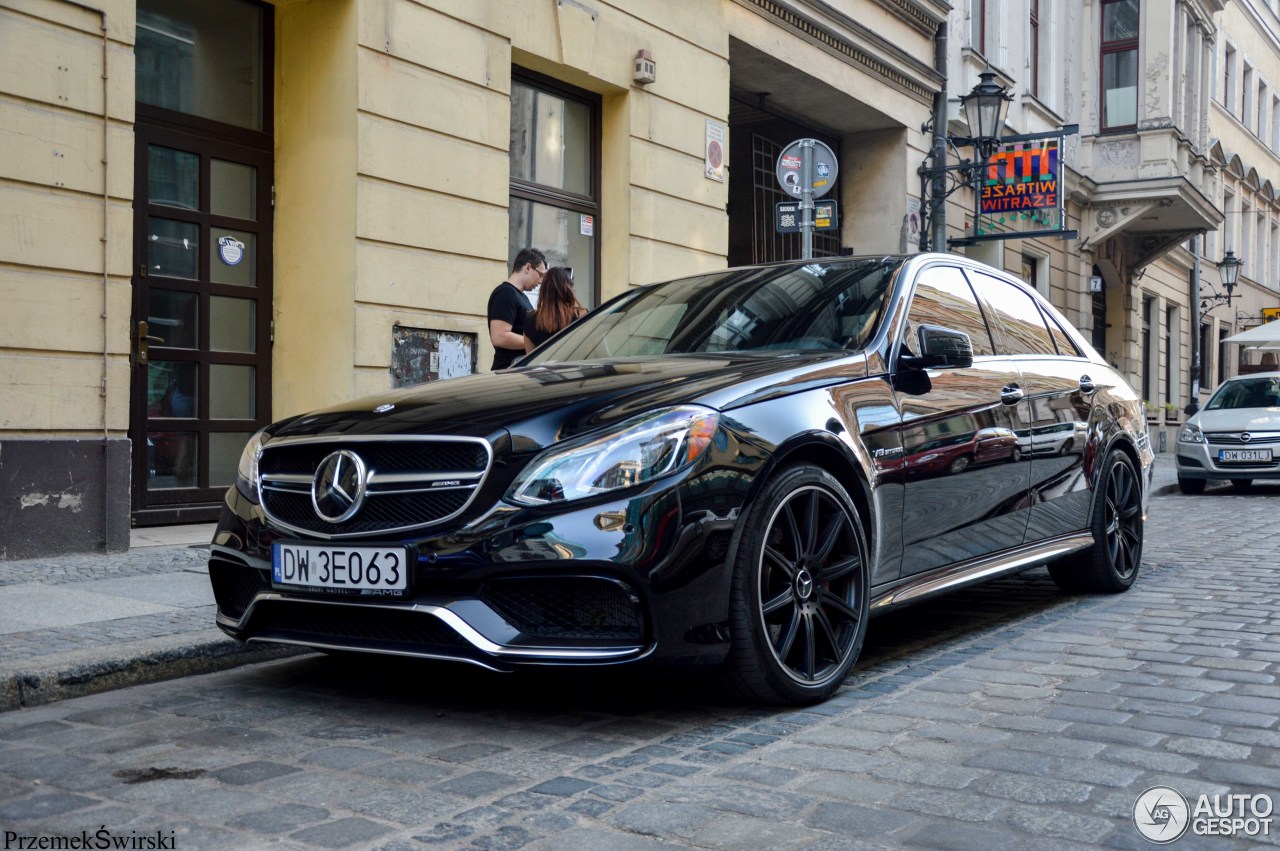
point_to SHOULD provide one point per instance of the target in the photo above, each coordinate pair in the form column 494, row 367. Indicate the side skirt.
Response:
column 917, row 588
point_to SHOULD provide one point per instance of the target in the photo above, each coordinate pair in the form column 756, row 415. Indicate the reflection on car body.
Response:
column 732, row 470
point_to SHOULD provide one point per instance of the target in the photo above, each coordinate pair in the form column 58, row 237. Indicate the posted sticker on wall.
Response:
column 586, row 224
column 715, row 151
column 230, row 250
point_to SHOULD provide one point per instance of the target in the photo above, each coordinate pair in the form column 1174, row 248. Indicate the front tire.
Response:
column 1191, row 487
column 1111, row 565
column 799, row 599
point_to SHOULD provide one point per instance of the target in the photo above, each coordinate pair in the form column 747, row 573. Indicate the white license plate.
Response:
column 367, row 571
column 1229, row 455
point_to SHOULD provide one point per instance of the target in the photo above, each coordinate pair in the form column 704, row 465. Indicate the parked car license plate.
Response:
column 1244, row 455
column 368, row 571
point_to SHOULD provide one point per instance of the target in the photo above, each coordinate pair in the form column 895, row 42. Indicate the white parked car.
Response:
column 1236, row 437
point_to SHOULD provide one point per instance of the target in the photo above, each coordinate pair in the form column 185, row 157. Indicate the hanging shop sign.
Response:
column 1020, row 192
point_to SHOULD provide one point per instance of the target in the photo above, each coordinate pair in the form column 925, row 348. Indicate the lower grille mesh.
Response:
column 327, row 624
column 567, row 608
column 234, row 586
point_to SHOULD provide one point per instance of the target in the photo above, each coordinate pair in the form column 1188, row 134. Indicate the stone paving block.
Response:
column 854, row 788
column 855, row 820
column 342, row 757
column 563, row 786
column 280, row 819
column 960, row 837
column 1088, row 715
column 738, row 832
column 247, row 773
column 43, row 806
column 406, row 770
column 1177, row 726
column 678, row 770
column 1116, row 735
column 1053, row 766
column 1237, row 718
column 341, row 833
column 765, row 775
column 400, row 805
column 477, row 784
column 585, row 746
column 1240, row 773
column 661, row 818
column 965, row 733
column 599, row 839
column 1054, row 746
column 828, row 759
column 1227, row 751
column 927, row 774
column 1045, row 823
column 1042, row 790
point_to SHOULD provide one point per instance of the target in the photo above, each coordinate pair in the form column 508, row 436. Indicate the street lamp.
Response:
column 985, row 108
column 1229, row 275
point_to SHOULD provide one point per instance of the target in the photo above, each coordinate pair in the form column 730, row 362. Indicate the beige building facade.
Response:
column 217, row 214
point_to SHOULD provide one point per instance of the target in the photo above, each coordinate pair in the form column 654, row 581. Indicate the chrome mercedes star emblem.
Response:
column 1246, row 437
column 337, row 491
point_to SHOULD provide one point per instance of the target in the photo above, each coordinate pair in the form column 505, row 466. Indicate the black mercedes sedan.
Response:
column 733, row 470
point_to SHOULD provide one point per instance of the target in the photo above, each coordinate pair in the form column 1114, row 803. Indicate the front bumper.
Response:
column 608, row 583
column 1201, row 461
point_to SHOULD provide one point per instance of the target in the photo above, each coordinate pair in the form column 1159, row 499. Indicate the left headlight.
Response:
column 1191, row 434
column 639, row 450
column 247, row 469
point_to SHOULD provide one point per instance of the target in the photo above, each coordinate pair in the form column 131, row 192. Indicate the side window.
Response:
column 1066, row 348
column 943, row 297
column 1018, row 315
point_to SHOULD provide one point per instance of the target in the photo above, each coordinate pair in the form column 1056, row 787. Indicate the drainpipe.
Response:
column 938, row 216
column 106, row 282
column 1193, row 404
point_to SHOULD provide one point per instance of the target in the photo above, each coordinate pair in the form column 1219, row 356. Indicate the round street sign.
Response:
column 791, row 168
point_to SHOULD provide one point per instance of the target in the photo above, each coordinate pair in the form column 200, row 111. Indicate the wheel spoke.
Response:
column 842, row 568
column 828, row 634
column 796, row 542
column 811, row 526
column 830, row 536
column 781, row 561
column 789, row 636
column 1129, row 512
column 810, row 650
column 786, row 598
column 841, row 606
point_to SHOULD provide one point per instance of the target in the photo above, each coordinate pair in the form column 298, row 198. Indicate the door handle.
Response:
column 1011, row 394
column 1087, row 385
column 143, row 341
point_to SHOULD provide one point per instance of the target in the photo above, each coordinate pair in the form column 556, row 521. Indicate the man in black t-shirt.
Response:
column 508, row 306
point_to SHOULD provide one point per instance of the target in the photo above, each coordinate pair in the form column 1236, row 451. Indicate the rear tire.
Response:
column 1111, row 565
column 1241, row 483
column 799, row 598
column 1191, row 487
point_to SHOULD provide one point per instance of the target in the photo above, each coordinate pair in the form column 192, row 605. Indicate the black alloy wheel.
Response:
column 1112, row 563
column 800, row 590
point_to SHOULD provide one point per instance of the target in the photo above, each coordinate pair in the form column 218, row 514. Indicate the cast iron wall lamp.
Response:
column 985, row 108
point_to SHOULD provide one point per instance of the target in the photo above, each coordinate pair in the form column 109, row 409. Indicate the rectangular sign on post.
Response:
column 787, row 216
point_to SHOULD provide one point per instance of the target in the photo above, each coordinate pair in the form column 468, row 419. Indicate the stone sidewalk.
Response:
column 1005, row 716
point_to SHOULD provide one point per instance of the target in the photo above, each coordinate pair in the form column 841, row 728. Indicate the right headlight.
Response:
column 639, row 450
column 247, row 469
column 1191, row 434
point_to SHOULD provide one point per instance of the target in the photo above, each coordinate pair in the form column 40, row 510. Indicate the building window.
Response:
column 1259, row 272
column 1035, row 271
column 1034, row 44
column 1119, row 64
column 978, row 25
column 1263, row 104
column 1204, row 356
column 1246, row 239
column 1246, row 99
column 555, row 183
column 1148, row 313
column 1274, row 281
column 1171, row 355
column 1228, row 222
column 1223, row 352
column 1229, row 78
column 1191, row 89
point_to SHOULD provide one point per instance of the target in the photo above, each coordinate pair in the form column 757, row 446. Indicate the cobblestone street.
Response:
column 1006, row 716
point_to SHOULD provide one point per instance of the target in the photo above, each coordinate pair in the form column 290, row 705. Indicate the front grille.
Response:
column 394, row 456
column 234, row 586
column 380, row 511
column 1223, row 438
column 411, row 482
column 364, row 626
column 574, row 608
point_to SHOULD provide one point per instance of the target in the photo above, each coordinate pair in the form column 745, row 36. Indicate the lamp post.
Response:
column 1229, row 275
column 985, row 108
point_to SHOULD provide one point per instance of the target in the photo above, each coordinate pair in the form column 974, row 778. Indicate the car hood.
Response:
column 541, row 404
column 1238, row 419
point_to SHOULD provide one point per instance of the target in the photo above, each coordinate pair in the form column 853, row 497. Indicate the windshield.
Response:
column 819, row 306
column 1246, row 393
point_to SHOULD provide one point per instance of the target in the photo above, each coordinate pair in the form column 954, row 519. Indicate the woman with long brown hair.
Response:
column 558, row 306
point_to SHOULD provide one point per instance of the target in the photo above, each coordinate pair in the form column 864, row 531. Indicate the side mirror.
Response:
column 940, row 347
